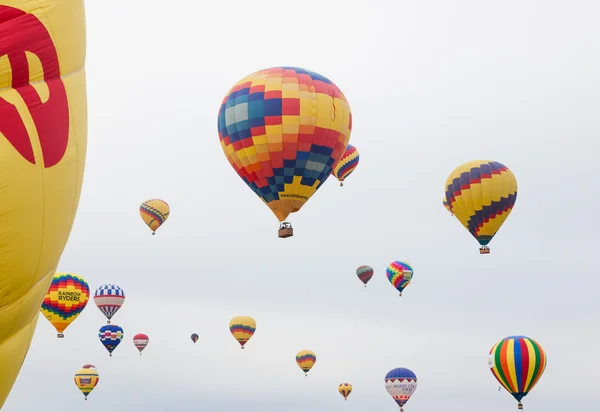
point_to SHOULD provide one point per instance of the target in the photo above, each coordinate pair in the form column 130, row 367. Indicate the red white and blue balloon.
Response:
column 401, row 383
column 110, row 336
column 109, row 298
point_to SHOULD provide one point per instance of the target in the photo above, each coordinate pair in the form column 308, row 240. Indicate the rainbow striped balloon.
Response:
column 399, row 274
column 346, row 165
column 517, row 362
column 67, row 296
column 242, row 328
column 306, row 359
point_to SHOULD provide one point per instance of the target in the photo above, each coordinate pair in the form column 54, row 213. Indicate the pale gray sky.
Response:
column 431, row 84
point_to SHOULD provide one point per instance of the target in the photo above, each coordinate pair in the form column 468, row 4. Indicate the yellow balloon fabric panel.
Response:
column 43, row 127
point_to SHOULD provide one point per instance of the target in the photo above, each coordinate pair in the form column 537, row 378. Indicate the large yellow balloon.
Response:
column 43, row 137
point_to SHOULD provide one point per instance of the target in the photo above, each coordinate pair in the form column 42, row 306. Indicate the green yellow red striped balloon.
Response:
column 518, row 363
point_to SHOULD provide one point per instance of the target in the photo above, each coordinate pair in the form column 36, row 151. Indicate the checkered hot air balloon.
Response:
column 401, row 383
column 109, row 298
column 110, row 336
column 282, row 129
column 481, row 194
column 399, row 274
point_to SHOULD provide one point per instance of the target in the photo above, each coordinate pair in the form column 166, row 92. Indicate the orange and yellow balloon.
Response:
column 242, row 328
column 154, row 213
column 481, row 194
column 306, row 359
column 43, row 138
column 345, row 389
column 282, row 129
column 86, row 379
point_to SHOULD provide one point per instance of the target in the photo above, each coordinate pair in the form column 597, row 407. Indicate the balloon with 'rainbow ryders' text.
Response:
column 66, row 298
column 43, row 138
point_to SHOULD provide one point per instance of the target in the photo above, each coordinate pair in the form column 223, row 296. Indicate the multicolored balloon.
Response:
column 242, row 328
column 86, row 379
column 481, row 193
column 306, row 359
column 43, row 139
column 110, row 336
column 109, row 298
column 154, row 213
column 282, row 129
column 141, row 341
column 364, row 273
column 518, row 363
column 401, row 383
column 195, row 337
column 346, row 165
column 66, row 298
column 345, row 389
column 399, row 274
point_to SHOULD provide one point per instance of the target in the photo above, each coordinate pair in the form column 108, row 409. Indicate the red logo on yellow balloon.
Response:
column 21, row 32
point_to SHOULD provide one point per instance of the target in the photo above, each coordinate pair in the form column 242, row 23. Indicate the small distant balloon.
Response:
column 141, row 341
column 86, row 379
column 110, row 336
column 345, row 389
column 306, row 359
column 154, row 212
column 194, row 337
column 401, row 383
column 242, row 328
column 346, row 165
column 109, row 298
column 399, row 274
column 67, row 296
column 364, row 273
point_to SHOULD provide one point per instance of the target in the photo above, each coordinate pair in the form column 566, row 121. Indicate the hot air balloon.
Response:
column 447, row 206
column 88, row 366
column 345, row 389
column 43, row 139
column 141, row 341
column 86, row 379
column 306, row 360
column 195, row 337
column 399, row 274
column 154, row 213
column 364, row 273
column 110, row 336
column 481, row 193
column 282, row 129
column 346, row 165
column 518, row 363
column 66, row 298
column 109, row 298
column 242, row 328
column 401, row 383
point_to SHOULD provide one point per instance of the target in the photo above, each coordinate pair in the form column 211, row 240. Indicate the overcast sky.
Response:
column 431, row 84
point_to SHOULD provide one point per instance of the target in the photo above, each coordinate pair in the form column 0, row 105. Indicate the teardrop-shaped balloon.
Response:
column 242, row 328
column 154, row 213
column 109, row 298
column 518, row 363
column 364, row 273
column 140, row 341
column 481, row 193
column 110, row 336
column 194, row 337
column 401, row 383
column 306, row 359
column 345, row 389
column 66, row 298
column 86, row 379
column 346, row 165
column 282, row 129
column 399, row 274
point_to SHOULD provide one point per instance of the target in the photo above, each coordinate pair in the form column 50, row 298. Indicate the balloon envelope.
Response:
column 67, row 296
column 154, row 213
column 110, row 336
column 347, row 164
column 109, row 298
column 140, row 341
column 194, row 337
column 364, row 273
column 345, row 389
column 86, row 380
column 399, row 274
column 306, row 359
column 518, row 363
column 282, row 129
column 242, row 328
column 481, row 193
column 43, row 139
column 401, row 383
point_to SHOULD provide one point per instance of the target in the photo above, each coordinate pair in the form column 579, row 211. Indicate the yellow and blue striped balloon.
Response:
column 306, row 359
column 242, row 328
